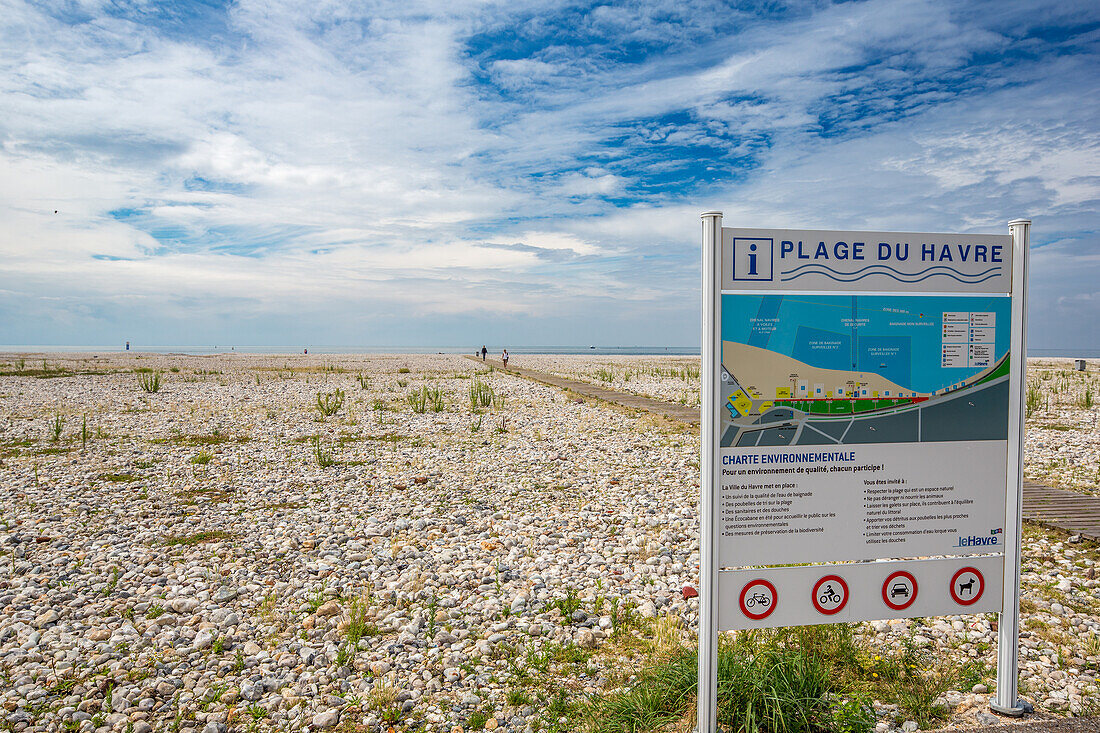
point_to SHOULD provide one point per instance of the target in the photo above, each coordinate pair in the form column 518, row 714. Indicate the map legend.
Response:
column 968, row 339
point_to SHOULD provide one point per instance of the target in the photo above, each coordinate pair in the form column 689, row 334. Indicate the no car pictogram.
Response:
column 899, row 590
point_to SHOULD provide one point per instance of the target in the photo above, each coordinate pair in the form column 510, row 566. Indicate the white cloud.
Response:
column 364, row 153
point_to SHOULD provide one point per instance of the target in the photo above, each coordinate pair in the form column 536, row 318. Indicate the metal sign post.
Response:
column 862, row 400
column 1008, row 628
column 707, row 719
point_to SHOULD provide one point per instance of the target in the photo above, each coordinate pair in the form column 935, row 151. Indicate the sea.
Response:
column 322, row 349
column 597, row 350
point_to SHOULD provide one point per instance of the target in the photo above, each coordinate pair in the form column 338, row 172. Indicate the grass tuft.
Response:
column 149, row 382
column 195, row 539
column 481, row 394
column 322, row 456
column 329, row 404
column 805, row 679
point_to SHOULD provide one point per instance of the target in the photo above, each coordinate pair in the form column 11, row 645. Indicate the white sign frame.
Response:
column 710, row 610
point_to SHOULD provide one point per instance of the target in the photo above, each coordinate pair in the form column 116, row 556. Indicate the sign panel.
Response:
column 862, row 426
column 862, row 401
column 828, row 594
column 900, row 262
column 822, row 504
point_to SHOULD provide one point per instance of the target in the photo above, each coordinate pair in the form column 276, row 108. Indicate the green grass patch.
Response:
column 49, row 373
column 798, row 680
column 119, row 478
column 196, row 539
column 387, row 437
column 197, row 439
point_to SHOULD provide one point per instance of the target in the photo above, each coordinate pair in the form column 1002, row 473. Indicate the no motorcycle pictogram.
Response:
column 830, row 594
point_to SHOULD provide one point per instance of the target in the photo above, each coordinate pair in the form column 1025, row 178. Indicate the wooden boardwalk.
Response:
column 1068, row 510
column 1044, row 505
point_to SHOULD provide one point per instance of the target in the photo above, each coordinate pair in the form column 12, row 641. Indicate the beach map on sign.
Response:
column 832, row 369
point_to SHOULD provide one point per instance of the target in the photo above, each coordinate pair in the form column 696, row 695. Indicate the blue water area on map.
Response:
column 769, row 308
column 899, row 337
column 889, row 356
column 823, row 349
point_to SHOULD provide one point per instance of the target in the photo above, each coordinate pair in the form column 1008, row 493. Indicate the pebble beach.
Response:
column 449, row 549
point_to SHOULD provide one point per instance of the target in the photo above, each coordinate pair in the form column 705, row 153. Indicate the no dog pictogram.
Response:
column 967, row 586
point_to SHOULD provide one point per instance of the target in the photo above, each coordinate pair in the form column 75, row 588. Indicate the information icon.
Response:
column 899, row 590
column 758, row 599
column 967, row 586
column 830, row 594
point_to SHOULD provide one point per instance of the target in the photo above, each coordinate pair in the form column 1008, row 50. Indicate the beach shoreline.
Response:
column 220, row 552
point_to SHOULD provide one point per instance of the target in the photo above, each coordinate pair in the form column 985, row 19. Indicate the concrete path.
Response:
column 682, row 413
column 1045, row 505
column 1027, row 725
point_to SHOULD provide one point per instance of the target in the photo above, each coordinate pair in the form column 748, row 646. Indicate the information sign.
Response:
column 861, row 402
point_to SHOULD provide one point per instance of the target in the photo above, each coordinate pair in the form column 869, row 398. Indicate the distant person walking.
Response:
column 484, row 351
column 504, row 358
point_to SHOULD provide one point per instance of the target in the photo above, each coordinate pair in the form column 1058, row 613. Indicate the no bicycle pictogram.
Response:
column 758, row 599
column 967, row 586
column 830, row 594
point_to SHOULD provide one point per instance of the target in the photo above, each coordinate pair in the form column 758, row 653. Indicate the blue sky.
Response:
column 453, row 173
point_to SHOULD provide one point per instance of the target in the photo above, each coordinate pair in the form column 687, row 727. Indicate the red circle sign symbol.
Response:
column 899, row 590
column 967, row 586
column 830, row 594
column 758, row 599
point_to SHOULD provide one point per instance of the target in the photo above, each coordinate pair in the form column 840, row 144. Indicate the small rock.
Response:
column 182, row 605
column 250, row 690
column 329, row 608
column 491, row 724
column 47, row 618
column 980, row 689
column 689, row 592
column 327, row 719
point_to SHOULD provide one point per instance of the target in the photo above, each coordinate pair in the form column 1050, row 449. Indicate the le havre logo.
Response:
column 752, row 259
column 978, row 540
